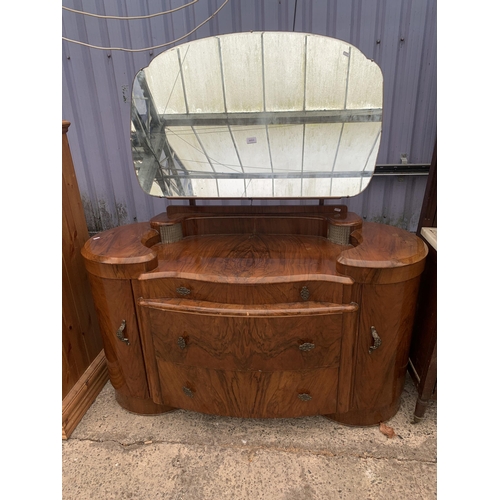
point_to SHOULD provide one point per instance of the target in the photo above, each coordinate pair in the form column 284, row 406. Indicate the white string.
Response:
column 149, row 48
column 132, row 17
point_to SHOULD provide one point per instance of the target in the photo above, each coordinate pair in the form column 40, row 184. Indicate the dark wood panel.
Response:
column 176, row 212
column 423, row 350
column 310, row 220
column 424, row 332
column 312, row 226
column 428, row 213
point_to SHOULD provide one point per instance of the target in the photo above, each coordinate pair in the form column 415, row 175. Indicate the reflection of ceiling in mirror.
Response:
column 257, row 115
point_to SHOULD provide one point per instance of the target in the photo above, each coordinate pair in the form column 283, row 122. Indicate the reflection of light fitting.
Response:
column 274, row 175
column 273, row 118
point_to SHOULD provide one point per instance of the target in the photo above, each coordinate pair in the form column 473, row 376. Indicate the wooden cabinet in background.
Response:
column 84, row 371
column 423, row 353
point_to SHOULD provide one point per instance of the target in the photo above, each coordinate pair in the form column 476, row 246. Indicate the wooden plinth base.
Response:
column 365, row 418
column 141, row 406
column 83, row 394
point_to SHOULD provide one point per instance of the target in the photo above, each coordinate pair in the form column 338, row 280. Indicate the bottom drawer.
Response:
column 253, row 394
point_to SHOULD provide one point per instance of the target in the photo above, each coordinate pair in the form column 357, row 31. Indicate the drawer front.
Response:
column 291, row 337
column 281, row 394
column 244, row 293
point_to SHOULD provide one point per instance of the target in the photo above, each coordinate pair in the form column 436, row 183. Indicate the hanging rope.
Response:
column 156, row 46
column 130, row 17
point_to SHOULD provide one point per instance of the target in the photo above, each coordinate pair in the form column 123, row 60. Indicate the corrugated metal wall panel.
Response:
column 400, row 35
column 394, row 200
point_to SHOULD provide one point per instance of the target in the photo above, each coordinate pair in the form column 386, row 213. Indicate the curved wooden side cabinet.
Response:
column 259, row 312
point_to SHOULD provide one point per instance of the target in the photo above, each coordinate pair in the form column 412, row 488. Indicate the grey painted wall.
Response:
column 400, row 35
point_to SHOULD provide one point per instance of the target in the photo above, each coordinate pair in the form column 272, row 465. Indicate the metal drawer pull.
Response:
column 304, row 293
column 182, row 290
column 377, row 341
column 119, row 333
column 181, row 342
column 305, row 397
column 188, row 392
column 306, row 346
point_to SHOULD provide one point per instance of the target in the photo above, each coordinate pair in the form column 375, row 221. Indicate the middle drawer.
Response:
column 231, row 337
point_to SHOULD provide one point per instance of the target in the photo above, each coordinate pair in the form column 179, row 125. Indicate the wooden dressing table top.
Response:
column 379, row 254
column 250, row 257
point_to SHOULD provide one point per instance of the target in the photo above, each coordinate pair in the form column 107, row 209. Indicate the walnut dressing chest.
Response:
column 257, row 305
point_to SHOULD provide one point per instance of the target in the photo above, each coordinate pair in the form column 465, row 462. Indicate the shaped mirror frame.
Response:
column 257, row 115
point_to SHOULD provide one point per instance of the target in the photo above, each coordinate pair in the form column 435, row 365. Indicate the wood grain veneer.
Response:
column 379, row 376
column 249, row 394
column 253, row 338
column 216, row 317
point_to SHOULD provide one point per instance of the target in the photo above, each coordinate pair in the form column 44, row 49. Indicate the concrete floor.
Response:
column 183, row 455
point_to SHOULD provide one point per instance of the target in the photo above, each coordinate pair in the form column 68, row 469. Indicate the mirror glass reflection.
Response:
column 257, row 115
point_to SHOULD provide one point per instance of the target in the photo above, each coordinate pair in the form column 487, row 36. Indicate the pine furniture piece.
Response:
column 265, row 310
column 84, row 370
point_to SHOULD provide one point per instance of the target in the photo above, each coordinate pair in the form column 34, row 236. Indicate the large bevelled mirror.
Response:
column 257, row 115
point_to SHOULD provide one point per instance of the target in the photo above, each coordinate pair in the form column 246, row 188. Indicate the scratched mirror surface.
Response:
column 257, row 115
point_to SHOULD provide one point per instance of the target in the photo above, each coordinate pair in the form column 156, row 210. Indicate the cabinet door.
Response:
column 380, row 372
column 116, row 312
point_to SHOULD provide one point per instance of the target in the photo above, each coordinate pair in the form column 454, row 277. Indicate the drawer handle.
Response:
column 119, row 333
column 182, row 290
column 305, row 397
column 306, row 346
column 181, row 342
column 377, row 341
column 188, row 392
column 304, row 293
